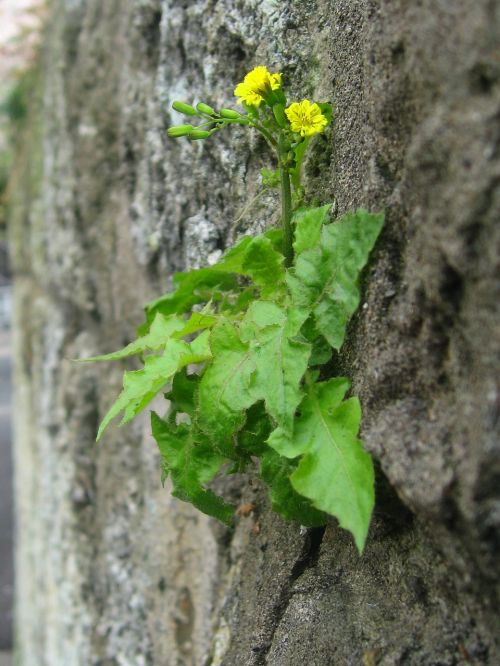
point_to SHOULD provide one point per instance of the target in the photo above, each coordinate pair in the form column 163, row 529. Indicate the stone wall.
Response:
column 111, row 570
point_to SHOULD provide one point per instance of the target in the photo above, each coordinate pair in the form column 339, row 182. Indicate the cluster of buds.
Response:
column 212, row 120
column 265, row 105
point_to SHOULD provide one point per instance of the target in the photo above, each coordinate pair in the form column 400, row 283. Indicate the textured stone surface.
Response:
column 112, row 570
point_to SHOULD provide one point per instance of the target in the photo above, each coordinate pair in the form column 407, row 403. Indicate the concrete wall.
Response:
column 111, row 570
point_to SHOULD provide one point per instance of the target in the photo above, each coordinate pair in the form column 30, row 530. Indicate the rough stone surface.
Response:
column 111, row 570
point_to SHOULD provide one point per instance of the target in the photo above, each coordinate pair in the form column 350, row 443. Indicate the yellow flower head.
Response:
column 305, row 118
column 257, row 85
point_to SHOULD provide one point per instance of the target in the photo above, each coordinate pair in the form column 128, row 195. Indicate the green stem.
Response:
column 286, row 215
column 265, row 133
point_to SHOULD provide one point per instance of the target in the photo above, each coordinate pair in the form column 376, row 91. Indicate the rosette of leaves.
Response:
column 237, row 350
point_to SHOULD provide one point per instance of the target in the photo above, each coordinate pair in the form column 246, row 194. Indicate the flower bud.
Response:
column 179, row 130
column 184, row 108
column 204, row 108
column 230, row 114
column 199, row 134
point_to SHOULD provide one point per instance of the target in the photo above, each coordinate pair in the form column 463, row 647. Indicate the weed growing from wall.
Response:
column 258, row 326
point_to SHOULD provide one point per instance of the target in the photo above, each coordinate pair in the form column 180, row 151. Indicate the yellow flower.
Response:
column 305, row 118
column 257, row 85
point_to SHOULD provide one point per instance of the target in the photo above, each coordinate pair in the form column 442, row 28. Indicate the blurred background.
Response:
column 20, row 24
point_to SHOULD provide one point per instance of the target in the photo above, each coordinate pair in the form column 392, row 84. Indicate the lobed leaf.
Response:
column 280, row 357
column 191, row 462
column 276, row 471
column 224, row 391
column 261, row 359
column 141, row 386
column 256, row 258
column 191, row 288
column 334, row 472
column 308, row 223
column 162, row 329
column 325, row 278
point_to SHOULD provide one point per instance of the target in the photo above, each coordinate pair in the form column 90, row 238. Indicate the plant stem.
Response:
column 264, row 133
column 286, row 215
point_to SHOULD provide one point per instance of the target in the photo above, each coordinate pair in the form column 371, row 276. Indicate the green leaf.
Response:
column 276, row 471
column 191, row 288
column 299, row 153
column 191, row 462
column 225, row 386
column 280, row 357
column 327, row 111
column 256, row 258
column 262, row 359
column 198, row 321
column 308, row 223
column 183, row 393
column 321, row 351
column 335, row 472
column 233, row 304
column 325, row 278
column 252, row 437
column 162, row 329
column 276, row 238
column 141, row 386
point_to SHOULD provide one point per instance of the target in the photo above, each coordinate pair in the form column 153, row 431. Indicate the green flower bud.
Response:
column 279, row 114
column 199, row 134
column 230, row 114
column 184, row 108
column 204, row 108
column 179, row 130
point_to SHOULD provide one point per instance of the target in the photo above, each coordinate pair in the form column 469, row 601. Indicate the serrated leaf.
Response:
column 198, row 321
column 162, row 329
column 276, row 471
column 256, row 258
column 262, row 359
column 191, row 462
column 225, row 386
column 280, row 357
column 191, row 288
column 308, row 223
column 141, row 386
column 334, row 472
column 325, row 278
